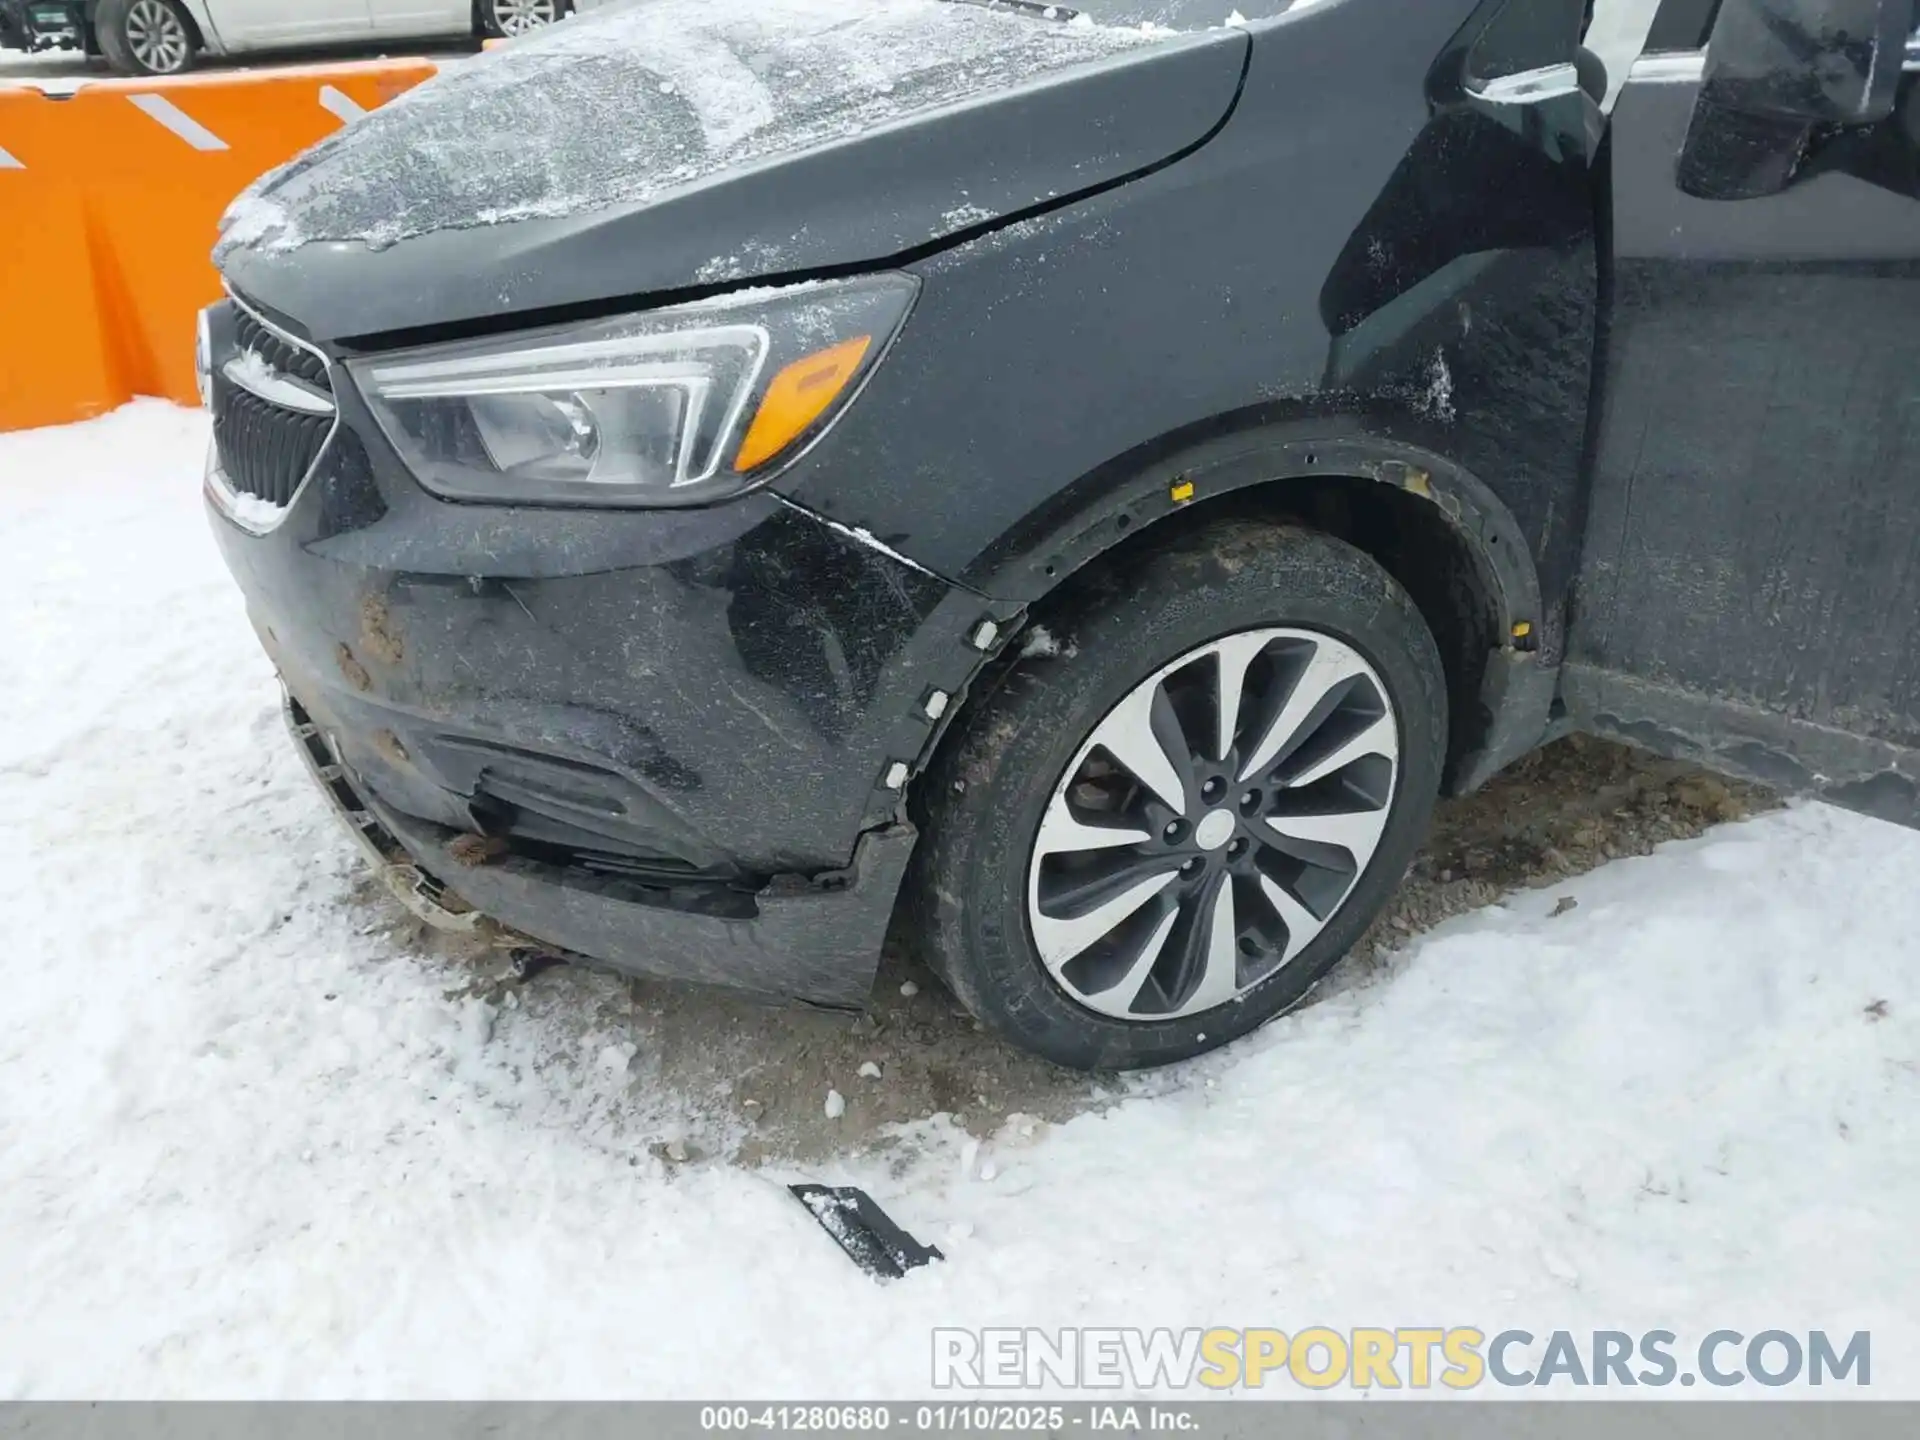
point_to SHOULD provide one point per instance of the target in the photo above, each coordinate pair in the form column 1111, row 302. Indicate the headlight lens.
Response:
column 671, row 407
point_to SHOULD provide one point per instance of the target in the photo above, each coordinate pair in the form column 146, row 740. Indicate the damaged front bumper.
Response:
column 821, row 937
column 413, row 887
column 420, row 777
column 677, row 742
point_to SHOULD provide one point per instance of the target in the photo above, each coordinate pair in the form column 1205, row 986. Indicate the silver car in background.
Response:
column 165, row 37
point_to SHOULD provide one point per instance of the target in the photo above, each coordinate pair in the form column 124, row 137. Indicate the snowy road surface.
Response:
column 250, row 1145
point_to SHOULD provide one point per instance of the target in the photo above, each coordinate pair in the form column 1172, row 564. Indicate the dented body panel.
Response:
column 1329, row 258
column 693, row 708
column 1199, row 276
column 718, row 712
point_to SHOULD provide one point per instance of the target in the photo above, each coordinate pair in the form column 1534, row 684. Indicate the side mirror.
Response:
column 1777, row 72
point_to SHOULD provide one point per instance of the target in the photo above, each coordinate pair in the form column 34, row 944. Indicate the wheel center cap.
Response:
column 1214, row 831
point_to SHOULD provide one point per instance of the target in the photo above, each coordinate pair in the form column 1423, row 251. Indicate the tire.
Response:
column 146, row 37
column 502, row 19
column 1320, row 617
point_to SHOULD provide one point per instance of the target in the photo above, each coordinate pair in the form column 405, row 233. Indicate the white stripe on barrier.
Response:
column 341, row 104
column 178, row 121
column 9, row 162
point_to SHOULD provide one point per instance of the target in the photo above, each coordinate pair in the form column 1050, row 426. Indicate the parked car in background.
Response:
column 165, row 37
column 1090, row 483
column 35, row 25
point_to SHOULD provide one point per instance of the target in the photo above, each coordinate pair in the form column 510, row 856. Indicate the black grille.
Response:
column 267, row 449
column 277, row 351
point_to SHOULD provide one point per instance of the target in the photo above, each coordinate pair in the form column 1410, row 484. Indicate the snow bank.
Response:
column 250, row 1145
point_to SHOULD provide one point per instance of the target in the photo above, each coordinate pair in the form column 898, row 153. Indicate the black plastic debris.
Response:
column 527, row 962
column 862, row 1229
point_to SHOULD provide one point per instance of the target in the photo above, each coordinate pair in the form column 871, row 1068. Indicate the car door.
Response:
column 265, row 24
column 422, row 17
column 1750, row 580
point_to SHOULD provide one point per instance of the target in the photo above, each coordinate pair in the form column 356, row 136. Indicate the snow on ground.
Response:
column 249, row 1145
column 58, row 72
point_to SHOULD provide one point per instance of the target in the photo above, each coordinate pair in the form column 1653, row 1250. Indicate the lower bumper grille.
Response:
column 420, row 892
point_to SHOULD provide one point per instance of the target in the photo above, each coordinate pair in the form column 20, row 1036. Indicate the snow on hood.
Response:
column 617, row 107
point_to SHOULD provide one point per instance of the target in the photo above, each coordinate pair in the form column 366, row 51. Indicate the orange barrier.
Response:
column 109, row 202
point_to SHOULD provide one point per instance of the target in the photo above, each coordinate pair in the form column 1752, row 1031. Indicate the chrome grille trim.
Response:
column 275, row 389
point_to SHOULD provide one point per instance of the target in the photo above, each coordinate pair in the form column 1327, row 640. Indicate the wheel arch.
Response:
column 199, row 18
column 1438, row 528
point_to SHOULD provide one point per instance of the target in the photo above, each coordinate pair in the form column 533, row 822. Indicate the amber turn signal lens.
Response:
column 798, row 396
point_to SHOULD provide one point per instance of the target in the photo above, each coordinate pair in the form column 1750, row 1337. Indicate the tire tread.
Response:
column 1104, row 618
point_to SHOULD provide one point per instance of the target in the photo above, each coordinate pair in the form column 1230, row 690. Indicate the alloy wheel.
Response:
column 1213, row 823
column 158, row 37
column 517, row 17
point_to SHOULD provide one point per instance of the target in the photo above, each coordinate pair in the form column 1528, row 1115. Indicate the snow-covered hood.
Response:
column 674, row 143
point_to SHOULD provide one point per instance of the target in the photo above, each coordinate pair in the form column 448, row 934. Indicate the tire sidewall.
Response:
column 1033, row 726
column 490, row 20
column 111, row 30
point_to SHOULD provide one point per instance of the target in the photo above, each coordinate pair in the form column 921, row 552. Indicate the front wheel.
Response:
column 146, row 37
column 507, row 18
column 1163, row 827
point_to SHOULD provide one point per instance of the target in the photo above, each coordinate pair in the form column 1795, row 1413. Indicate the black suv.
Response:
column 724, row 471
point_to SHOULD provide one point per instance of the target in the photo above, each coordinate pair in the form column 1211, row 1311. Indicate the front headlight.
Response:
column 671, row 407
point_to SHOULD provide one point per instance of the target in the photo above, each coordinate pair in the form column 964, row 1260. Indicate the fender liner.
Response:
column 1128, row 497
